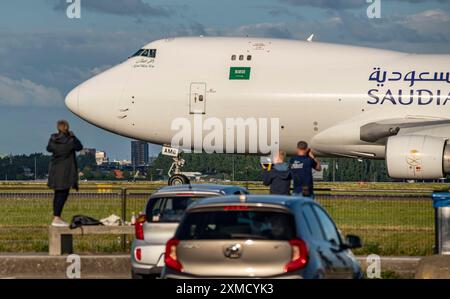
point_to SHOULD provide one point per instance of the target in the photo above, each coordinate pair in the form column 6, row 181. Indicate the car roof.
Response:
column 216, row 188
column 281, row 200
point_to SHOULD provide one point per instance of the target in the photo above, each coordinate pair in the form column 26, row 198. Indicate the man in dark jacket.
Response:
column 63, row 169
column 302, row 166
column 278, row 176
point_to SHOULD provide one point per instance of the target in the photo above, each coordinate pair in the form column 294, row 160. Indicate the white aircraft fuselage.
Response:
column 343, row 100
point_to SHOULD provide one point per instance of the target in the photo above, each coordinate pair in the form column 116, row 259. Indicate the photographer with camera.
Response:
column 301, row 167
column 277, row 175
column 63, row 169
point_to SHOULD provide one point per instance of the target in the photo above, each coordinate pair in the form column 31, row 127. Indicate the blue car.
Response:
column 257, row 236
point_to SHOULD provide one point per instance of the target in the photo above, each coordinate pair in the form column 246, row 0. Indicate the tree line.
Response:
column 231, row 167
column 247, row 167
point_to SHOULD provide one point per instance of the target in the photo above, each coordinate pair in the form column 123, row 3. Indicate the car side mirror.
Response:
column 352, row 242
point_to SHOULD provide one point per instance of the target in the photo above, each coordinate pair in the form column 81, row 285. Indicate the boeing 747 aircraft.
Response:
column 344, row 100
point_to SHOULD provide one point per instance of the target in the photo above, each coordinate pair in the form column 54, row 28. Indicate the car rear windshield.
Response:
column 224, row 225
column 168, row 209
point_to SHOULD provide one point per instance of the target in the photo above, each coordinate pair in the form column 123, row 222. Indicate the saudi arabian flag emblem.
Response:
column 240, row 73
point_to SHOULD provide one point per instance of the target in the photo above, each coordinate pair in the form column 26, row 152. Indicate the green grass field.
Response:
column 396, row 219
column 394, row 226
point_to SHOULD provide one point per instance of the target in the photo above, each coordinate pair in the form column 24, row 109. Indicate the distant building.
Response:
column 101, row 158
column 139, row 153
column 27, row 172
column 123, row 162
column 88, row 152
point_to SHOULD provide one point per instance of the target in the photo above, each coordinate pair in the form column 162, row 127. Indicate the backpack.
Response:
column 81, row 220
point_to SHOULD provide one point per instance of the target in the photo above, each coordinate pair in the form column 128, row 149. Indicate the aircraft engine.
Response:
column 417, row 157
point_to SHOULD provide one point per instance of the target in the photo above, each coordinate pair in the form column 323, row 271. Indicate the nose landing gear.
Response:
column 176, row 177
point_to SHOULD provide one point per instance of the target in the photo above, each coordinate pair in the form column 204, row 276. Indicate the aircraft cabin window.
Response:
column 249, row 57
column 241, row 57
column 233, row 57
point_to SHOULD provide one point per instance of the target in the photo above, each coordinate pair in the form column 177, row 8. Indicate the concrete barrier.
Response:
column 399, row 266
column 118, row 266
column 44, row 266
column 60, row 238
column 434, row 267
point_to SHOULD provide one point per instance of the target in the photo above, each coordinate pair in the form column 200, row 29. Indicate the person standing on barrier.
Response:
column 63, row 169
column 301, row 167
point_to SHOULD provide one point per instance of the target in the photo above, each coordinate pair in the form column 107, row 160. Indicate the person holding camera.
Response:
column 277, row 175
column 301, row 167
column 63, row 169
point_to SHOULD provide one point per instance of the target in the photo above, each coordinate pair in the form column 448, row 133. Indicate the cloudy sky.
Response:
column 43, row 54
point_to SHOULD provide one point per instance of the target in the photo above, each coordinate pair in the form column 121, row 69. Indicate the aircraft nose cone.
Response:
column 72, row 100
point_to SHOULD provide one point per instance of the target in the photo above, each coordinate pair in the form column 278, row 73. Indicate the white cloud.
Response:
column 348, row 4
column 124, row 7
column 334, row 20
column 435, row 14
column 432, row 24
column 277, row 30
column 336, row 4
column 27, row 93
column 431, row 15
column 97, row 70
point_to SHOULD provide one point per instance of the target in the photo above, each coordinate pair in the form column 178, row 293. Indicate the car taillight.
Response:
column 235, row 208
column 139, row 227
column 299, row 257
column 138, row 254
column 170, row 257
column 185, row 194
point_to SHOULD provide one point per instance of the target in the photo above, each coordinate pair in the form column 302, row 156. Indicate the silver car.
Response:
column 259, row 236
column 164, row 210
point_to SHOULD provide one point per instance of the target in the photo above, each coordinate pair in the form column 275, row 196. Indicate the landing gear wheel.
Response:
column 178, row 179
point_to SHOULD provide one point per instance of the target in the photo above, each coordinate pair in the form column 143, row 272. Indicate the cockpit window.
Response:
column 138, row 53
column 145, row 53
column 151, row 53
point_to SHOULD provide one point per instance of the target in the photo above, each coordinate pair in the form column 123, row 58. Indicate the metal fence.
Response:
column 25, row 216
column 388, row 225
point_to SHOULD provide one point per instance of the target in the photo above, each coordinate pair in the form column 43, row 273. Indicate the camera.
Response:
column 266, row 162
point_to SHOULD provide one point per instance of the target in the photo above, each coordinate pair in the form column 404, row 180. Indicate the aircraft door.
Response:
column 197, row 98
